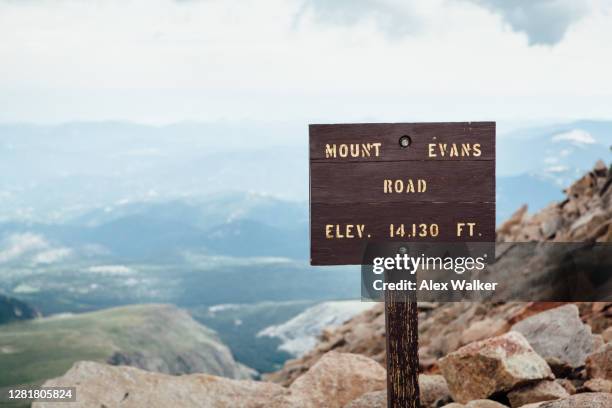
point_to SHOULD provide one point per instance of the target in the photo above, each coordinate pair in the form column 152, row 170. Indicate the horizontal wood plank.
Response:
column 344, row 220
column 405, row 181
column 389, row 134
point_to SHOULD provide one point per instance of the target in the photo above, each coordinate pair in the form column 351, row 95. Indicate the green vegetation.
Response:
column 155, row 337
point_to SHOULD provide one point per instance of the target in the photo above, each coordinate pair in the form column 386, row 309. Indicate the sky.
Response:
column 164, row 61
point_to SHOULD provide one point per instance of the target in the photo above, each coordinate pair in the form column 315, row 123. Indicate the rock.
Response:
column 567, row 385
column 599, row 364
column 607, row 335
column 433, row 391
column 376, row 399
column 598, row 385
column 100, row 385
column 483, row 329
column 484, row 403
column 587, row 400
column 483, row 368
column 559, row 336
column 334, row 381
column 515, row 220
column 477, row 404
column 542, row 391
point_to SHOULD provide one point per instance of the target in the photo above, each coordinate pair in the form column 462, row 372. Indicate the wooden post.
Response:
column 402, row 328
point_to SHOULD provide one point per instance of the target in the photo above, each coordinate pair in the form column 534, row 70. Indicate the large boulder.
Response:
column 559, row 336
column 334, row 381
column 100, row 385
column 498, row 364
column 376, row 399
column 542, row 391
column 599, row 364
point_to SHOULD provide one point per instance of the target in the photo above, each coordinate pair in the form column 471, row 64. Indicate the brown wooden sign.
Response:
column 399, row 182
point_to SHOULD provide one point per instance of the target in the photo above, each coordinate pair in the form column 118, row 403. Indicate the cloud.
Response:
column 38, row 250
column 544, row 21
column 303, row 60
column 111, row 269
column 51, row 256
column 18, row 245
column 392, row 16
column 577, row 137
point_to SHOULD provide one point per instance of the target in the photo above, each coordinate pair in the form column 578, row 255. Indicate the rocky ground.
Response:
column 472, row 355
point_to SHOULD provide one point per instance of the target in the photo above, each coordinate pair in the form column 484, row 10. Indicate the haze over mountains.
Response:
column 98, row 215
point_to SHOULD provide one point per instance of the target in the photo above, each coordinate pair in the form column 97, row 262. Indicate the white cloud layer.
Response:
column 163, row 60
column 577, row 137
column 32, row 249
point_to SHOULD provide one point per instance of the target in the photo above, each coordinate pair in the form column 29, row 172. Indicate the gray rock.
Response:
column 559, row 336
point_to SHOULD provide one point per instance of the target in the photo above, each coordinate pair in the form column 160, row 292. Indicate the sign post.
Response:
column 399, row 182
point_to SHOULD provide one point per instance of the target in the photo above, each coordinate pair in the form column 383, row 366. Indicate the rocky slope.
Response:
column 473, row 355
column 158, row 338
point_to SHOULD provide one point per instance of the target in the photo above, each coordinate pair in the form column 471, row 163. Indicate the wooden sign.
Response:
column 399, row 182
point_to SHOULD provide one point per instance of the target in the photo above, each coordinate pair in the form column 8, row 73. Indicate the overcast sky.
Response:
column 160, row 61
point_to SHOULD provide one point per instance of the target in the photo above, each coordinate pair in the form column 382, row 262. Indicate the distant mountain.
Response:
column 152, row 337
column 560, row 152
column 233, row 224
column 534, row 164
column 301, row 333
column 83, row 166
column 12, row 310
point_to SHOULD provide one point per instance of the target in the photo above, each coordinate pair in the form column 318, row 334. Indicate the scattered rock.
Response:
column 542, row 391
column 483, row 368
column 559, row 336
column 334, row 381
column 587, row 400
column 599, row 364
column 100, row 385
column 598, row 385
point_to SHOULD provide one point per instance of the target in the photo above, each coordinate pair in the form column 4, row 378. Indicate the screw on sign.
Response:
column 399, row 182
